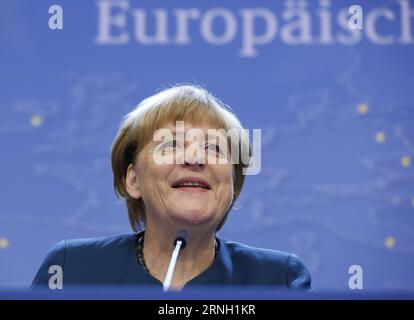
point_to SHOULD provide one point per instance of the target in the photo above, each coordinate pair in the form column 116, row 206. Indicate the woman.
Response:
column 192, row 191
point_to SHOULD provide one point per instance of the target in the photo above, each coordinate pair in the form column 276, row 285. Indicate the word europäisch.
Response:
column 293, row 22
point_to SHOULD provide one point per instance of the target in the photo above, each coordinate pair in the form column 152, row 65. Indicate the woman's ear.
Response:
column 132, row 182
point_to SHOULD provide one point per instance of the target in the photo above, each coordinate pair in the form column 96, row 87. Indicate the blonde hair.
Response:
column 184, row 102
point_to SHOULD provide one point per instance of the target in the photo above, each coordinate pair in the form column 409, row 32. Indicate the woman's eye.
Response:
column 213, row 147
column 167, row 146
column 170, row 144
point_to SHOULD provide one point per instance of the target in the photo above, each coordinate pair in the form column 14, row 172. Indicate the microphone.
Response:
column 181, row 236
column 180, row 242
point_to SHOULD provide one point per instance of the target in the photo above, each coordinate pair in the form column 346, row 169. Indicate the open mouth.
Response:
column 191, row 184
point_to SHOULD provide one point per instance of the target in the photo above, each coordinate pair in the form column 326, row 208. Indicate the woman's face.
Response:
column 186, row 192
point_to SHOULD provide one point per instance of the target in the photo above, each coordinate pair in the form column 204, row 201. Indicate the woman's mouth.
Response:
column 191, row 185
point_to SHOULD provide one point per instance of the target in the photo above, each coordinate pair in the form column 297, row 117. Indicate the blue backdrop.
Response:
column 335, row 107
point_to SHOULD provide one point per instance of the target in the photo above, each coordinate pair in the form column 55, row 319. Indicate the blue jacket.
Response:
column 112, row 261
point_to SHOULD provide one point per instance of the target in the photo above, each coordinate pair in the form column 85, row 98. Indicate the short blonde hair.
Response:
column 184, row 102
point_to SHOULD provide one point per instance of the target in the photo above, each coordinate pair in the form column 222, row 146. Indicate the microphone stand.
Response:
column 180, row 242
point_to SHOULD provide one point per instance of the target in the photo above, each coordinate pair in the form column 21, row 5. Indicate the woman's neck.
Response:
column 197, row 256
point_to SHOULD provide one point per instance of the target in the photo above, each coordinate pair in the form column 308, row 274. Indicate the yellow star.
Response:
column 362, row 108
column 406, row 161
column 36, row 121
column 4, row 243
column 390, row 242
column 380, row 137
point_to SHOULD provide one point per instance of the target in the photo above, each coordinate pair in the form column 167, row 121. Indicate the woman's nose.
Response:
column 194, row 156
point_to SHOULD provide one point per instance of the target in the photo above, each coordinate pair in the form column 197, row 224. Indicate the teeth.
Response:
column 190, row 184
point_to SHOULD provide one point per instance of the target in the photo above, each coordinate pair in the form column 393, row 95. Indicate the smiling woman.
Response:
column 134, row 147
column 191, row 195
